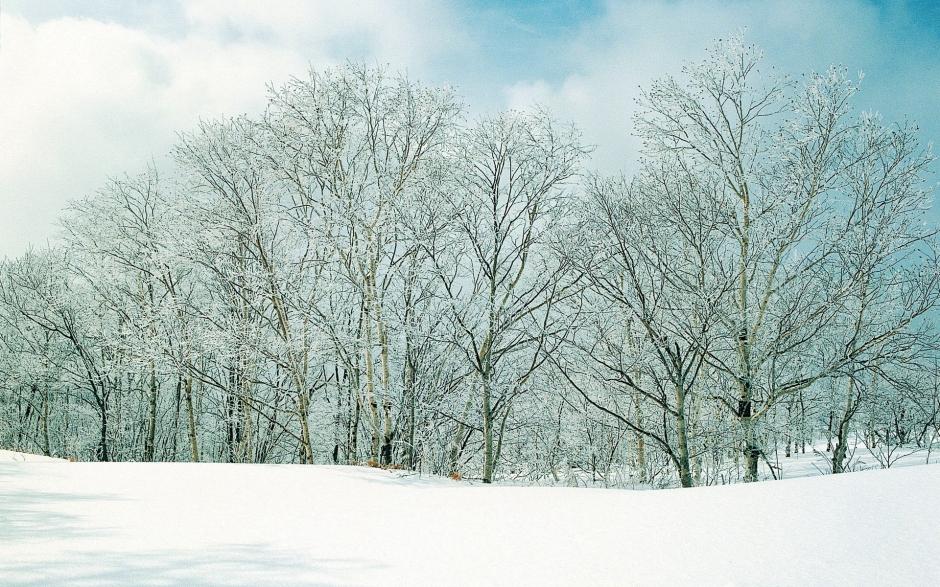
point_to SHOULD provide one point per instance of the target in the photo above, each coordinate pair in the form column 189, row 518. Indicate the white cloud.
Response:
column 634, row 42
column 402, row 32
column 82, row 99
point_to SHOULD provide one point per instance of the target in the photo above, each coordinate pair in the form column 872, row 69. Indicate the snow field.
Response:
column 214, row 524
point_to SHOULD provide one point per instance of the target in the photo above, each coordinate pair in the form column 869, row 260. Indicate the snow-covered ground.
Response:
column 7, row 456
column 204, row 524
column 817, row 461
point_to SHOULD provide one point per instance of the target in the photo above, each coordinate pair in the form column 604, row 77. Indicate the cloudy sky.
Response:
column 92, row 88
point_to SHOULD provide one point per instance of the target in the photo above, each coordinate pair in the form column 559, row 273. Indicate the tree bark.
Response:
column 682, row 439
column 190, row 416
column 150, row 439
column 489, row 463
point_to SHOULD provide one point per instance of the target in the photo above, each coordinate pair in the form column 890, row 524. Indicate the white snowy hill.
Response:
column 199, row 524
column 22, row 457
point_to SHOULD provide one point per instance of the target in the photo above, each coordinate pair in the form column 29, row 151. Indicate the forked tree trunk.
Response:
column 842, row 432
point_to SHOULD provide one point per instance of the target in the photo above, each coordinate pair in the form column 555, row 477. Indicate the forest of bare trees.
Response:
column 366, row 273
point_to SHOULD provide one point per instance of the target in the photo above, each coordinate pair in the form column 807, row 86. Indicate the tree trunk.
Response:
column 374, row 419
column 640, row 438
column 45, row 425
column 150, row 439
column 745, row 399
column 682, row 439
column 303, row 411
column 234, row 418
column 190, row 416
column 752, row 449
column 103, row 441
column 178, row 400
column 408, row 456
column 353, row 454
column 842, row 433
column 488, row 448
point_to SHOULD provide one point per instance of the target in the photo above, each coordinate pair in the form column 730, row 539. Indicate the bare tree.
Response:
column 779, row 157
column 498, row 272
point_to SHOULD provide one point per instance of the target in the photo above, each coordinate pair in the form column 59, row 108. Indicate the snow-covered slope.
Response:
column 22, row 457
column 202, row 524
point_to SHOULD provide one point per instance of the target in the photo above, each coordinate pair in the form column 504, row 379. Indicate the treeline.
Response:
column 363, row 273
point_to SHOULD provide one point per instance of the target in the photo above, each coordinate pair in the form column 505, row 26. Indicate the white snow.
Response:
column 22, row 457
column 817, row 460
column 210, row 524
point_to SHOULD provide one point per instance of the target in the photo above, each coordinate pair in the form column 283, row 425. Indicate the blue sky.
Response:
column 94, row 88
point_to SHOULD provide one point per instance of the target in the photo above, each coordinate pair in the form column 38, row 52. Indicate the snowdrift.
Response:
column 210, row 524
column 7, row 456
